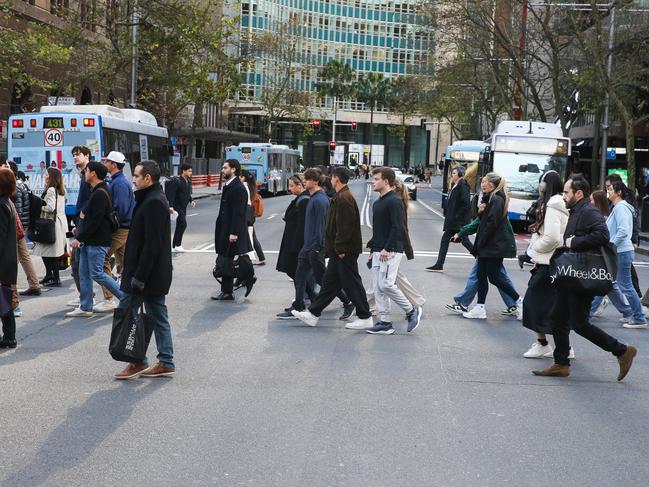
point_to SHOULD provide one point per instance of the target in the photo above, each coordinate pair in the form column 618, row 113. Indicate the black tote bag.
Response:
column 43, row 230
column 590, row 273
column 131, row 334
column 6, row 304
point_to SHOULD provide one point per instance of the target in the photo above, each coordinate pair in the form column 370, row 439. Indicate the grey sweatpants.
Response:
column 384, row 275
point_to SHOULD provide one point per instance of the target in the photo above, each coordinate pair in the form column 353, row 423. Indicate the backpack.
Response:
column 113, row 218
column 258, row 206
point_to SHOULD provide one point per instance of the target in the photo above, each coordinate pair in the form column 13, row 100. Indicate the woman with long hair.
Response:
column 254, row 197
column 551, row 220
column 9, row 253
column 600, row 201
column 293, row 236
column 493, row 243
column 53, row 209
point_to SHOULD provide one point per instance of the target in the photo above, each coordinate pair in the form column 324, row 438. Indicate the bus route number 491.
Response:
column 53, row 138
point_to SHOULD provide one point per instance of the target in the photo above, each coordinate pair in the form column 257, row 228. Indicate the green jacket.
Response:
column 472, row 227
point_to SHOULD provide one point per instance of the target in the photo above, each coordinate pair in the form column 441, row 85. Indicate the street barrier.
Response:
column 199, row 181
column 213, row 179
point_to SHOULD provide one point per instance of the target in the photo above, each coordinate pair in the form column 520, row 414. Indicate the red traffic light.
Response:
column 354, row 126
column 332, row 145
column 316, row 125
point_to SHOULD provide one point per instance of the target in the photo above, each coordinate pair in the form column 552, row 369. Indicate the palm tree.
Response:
column 373, row 89
column 337, row 78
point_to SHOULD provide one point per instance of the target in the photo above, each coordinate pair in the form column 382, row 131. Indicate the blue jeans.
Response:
column 466, row 297
column 91, row 268
column 155, row 307
column 623, row 296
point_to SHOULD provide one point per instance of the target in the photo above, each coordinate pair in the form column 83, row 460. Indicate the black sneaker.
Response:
column 249, row 285
column 414, row 318
column 435, row 268
column 32, row 291
column 4, row 343
column 457, row 308
column 286, row 315
column 511, row 311
column 381, row 328
column 348, row 310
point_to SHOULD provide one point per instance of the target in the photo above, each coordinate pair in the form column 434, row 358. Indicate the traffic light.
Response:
column 422, row 124
column 332, row 146
column 316, row 124
column 354, row 126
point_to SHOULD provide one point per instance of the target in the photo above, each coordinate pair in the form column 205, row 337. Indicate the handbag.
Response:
column 6, row 305
column 589, row 273
column 43, row 230
column 258, row 206
column 131, row 333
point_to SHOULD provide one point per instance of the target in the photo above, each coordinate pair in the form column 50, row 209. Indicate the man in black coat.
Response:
column 179, row 194
column 231, row 231
column 147, row 267
column 8, row 253
column 457, row 214
column 586, row 230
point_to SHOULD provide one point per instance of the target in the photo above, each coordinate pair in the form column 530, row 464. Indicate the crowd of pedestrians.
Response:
column 120, row 238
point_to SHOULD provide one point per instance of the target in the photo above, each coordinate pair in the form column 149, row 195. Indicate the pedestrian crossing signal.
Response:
column 316, row 124
column 354, row 126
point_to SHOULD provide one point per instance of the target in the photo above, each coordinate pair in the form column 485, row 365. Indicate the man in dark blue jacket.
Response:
column 586, row 230
column 121, row 193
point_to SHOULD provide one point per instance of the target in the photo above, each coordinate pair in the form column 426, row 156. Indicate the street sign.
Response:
column 611, row 154
column 61, row 100
column 53, row 138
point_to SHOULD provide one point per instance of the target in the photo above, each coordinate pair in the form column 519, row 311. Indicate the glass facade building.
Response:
column 381, row 36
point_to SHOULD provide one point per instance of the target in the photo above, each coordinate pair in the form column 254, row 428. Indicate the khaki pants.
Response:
column 117, row 247
column 26, row 263
column 408, row 290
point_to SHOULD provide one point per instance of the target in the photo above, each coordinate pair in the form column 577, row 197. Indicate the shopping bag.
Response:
column 590, row 273
column 5, row 300
column 131, row 334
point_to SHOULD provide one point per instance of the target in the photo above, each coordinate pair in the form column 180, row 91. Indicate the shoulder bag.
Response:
column 113, row 218
column 589, row 273
column 43, row 230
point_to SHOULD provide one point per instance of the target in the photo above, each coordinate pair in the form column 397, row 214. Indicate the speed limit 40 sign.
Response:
column 53, row 138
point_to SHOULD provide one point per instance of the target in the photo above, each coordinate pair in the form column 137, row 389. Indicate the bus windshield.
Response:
column 523, row 171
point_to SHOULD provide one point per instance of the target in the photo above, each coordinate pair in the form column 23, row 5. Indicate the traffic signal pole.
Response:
column 333, row 131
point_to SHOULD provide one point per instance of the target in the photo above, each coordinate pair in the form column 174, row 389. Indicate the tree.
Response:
column 337, row 83
column 373, row 90
column 405, row 99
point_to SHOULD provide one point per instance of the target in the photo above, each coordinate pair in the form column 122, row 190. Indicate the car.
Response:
column 409, row 182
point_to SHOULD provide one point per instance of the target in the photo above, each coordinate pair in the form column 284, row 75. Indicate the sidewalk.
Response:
column 206, row 192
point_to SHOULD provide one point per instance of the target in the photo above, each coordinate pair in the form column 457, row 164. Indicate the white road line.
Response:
column 271, row 216
column 430, row 208
column 193, row 214
column 367, row 208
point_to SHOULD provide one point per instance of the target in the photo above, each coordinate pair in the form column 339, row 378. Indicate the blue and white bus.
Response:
column 271, row 164
column 462, row 153
column 521, row 152
column 41, row 139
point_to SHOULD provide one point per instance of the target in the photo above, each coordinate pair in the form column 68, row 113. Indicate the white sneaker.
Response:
column 79, row 313
column 360, row 324
column 645, row 310
column 178, row 249
column 519, row 309
column 476, row 313
column 638, row 326
column 105, row 306
column 626, row 319
column 600, row 309
column 537, row 351
column 74, row 302
column 571, row 354
column 305, row 317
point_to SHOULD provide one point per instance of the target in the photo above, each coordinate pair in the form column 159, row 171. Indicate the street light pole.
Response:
column 134, row 21
column 332, row 157
column 609, row 68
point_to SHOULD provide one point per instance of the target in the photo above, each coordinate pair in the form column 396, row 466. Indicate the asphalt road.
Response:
column 262, row 402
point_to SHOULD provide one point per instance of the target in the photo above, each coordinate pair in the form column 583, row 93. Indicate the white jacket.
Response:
column 550, row 237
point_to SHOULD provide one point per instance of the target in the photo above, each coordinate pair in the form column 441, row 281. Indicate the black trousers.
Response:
column 489, row 272
column 312, row 263
column 181, row 226
column 571, row 311
column 342, row 274
column 635, row 281
column 443, row 245
column 75, row 255
column 51, row 267
column 255, row 243
column 9, row 326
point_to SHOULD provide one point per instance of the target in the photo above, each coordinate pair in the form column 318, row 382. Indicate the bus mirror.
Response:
column 522, row 168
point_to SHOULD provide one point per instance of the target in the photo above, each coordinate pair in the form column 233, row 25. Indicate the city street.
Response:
column 261, row 402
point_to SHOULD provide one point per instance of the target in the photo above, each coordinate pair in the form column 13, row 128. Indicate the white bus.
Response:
column 272, row 165
column 41, row 139
column 521, row 152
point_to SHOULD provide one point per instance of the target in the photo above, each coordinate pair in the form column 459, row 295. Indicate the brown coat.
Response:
column 343, row 230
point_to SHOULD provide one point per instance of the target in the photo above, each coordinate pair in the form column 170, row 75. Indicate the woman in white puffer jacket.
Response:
column 551, row 221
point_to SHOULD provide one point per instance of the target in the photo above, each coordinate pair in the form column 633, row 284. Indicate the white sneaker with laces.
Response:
column 105, row 306
column 571, row 354
column 637, row 326
column 537, row 351
column 178, row 249
column 478, row 312
column 79, row 313
column 360, row 324
column 519, row 309
column 600, row 309
column 305, row 317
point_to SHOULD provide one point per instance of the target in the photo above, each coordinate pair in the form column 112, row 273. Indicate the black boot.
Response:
column 56, row 281
column 48, row 271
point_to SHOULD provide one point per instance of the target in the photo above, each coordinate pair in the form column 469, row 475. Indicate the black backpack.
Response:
column 113, row 217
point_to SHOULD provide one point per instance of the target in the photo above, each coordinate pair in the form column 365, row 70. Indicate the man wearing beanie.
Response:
column 94, row 239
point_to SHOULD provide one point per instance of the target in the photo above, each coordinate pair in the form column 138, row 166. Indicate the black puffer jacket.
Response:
column 494, row 238
column 21, row 201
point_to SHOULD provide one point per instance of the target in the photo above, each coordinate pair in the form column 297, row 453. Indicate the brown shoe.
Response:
column 131, row 371
column 158, row 370
column 554, row 370
column 625, row 360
